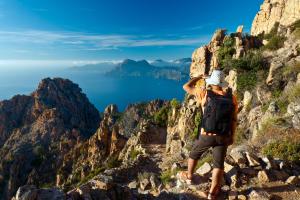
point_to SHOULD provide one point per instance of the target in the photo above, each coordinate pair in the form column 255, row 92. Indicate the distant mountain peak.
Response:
column 143, row 62
column 159, row 60
column 183, row 60
column 127, row 61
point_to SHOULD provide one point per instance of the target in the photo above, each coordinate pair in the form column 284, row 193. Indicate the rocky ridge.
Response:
column 32, row 127
column 285, row 12
column 205, row 58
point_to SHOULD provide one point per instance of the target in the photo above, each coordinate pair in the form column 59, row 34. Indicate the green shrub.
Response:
column 46, row 185
column 251, row 61
column 197, row 121
column 276, row 93
column 113, row 162
column 84, row 180
column 175, row 103
column 166, row 176
column 98, row 170
column 283, row 149
column 40, row 155
column 274, row 129
column 207, row 158
column 274, row 43
column 296, row 24
column 39, row 150
column 294, row 93
column 76, row 176
column 117, row 116
column 248, row 67
column 289, row 70
column 91, row 175
column 239, row 136
column 245, row 81
column 271, row 123
column 134, row 154
column 265, row 107
column 226, row 51
column 282, row 104
column 286, row 97
column 297, row 34
column 273, row 32
column 161, row 117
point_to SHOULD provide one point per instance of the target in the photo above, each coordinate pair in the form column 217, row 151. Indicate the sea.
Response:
column 100, row 89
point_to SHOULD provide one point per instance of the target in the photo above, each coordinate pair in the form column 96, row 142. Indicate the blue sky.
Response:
column 95, row 30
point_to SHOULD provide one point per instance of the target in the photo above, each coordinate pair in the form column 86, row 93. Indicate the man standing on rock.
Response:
column 219, row 121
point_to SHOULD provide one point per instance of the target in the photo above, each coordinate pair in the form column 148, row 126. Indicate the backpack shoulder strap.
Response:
column 210, row 93
column 229, row 93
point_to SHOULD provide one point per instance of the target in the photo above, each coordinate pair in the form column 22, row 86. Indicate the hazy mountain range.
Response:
column 173, row 70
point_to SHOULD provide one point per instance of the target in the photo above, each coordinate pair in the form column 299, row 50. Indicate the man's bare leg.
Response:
column 217, row 176
column 191, row 167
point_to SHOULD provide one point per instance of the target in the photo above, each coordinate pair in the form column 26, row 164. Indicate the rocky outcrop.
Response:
column 120, row 136
column 289, row 54
column 31, row 192
column 90, row 156
column 32, row 127
column 134, row 113
column 205, row 58
column 181, row 129
column 285, row 12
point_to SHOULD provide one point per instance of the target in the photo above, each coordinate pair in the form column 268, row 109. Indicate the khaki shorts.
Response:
column 218, row 145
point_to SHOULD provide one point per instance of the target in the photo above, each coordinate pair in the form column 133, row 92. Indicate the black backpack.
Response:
column 218, row 112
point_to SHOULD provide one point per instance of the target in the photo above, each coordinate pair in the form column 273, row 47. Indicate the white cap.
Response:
column 217, row 78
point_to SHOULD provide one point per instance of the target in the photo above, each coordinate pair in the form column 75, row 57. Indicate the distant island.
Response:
column 159, row 69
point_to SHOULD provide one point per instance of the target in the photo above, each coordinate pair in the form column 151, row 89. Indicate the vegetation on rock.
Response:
column 226, row 51
column 283, row 98
column 167, row 176
column 134, row 154
column 275, row 40
column 113, row 162
column 175, row 104
column 207, row 158
column 248, row 66
column 197, row 121
column 161, row 117
column 286, row 149
column 296, row 29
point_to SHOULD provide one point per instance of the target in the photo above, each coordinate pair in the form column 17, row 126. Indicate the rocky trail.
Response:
column 156, row 153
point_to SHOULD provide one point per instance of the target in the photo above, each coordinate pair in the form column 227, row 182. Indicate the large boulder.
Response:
column 31, row 192
column 204, row 59
column 285, row 12
column 293, row 110
column 259, row 195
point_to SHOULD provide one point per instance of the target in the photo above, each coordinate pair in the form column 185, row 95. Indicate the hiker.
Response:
column 219, row 121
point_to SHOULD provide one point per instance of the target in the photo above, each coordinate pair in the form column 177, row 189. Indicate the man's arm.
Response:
column 189, row 87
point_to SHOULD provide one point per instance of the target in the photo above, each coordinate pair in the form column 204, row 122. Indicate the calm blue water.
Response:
column 100, row 90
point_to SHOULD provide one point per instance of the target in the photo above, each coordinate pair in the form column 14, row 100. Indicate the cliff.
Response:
column 33, row 126
column 285, row 12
